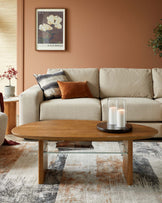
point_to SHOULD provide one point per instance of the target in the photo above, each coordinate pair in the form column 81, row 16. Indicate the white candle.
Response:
column 120, row 118
column 112, row 115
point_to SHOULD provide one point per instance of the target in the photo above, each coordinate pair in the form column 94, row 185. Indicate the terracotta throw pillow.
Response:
column 71, row 90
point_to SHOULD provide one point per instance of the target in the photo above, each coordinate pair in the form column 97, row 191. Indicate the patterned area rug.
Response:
column 81, row 178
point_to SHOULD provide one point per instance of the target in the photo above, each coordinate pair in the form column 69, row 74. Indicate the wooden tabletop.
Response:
column 77, row 130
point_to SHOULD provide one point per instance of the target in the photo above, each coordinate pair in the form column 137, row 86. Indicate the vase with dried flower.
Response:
column 9, row 90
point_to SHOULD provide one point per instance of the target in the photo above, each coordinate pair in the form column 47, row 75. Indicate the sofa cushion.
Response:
column 48, row 83
column 125, row 82
column 159, row 100
column 83, row 74
column 157, row 82
column 81, row 109
column 71, row 90
column 138, row 109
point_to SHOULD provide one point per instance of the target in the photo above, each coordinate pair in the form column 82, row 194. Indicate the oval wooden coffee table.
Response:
column 81, row 130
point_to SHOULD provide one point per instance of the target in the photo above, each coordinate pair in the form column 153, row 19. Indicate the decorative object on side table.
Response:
column 50, row 29
column 9, row 90
column 116, row 118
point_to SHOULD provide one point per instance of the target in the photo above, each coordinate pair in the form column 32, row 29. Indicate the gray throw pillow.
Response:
column 48, row 84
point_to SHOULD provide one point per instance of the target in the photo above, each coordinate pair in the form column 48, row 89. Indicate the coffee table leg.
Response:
column 128, row 161
column 42, row 161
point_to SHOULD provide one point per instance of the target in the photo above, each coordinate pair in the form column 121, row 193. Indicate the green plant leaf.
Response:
column 156, row 43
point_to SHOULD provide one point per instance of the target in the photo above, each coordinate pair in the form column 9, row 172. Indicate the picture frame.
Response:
column 50, row 29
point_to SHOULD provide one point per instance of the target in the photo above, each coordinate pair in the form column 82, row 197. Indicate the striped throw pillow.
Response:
column 48, row 83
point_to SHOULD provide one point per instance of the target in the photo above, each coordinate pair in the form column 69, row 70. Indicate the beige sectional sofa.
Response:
column 141, row 89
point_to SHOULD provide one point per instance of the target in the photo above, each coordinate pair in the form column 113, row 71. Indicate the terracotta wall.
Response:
column 100, row 33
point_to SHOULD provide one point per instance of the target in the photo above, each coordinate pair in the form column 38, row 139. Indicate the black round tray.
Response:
column 105, row 127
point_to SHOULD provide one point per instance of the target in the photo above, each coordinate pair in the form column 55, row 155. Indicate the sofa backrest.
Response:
column 83, row 74
column 157, row 82
column 125, row 82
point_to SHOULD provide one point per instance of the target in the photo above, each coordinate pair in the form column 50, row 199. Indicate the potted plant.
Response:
column 9, row 90
column 156, row 43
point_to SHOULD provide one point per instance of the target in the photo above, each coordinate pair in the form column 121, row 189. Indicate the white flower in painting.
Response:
column 44, row 27
column 58, row 26
column 50, row 19
column 58, row 19
column 54, row 20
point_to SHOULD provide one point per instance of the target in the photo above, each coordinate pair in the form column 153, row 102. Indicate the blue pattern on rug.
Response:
column 144, row 172
column 10, row 192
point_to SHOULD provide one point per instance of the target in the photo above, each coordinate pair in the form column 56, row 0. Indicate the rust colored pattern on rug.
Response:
column 8, row 156
column 109, row 170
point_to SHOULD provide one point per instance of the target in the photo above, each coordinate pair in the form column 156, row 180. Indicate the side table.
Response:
column 10, row 110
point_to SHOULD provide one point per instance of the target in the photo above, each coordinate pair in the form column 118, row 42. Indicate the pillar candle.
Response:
column 112, row 115
column 120, row 118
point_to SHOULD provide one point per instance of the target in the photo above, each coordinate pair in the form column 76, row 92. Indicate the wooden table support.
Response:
column 128, row 161
column 42, row 161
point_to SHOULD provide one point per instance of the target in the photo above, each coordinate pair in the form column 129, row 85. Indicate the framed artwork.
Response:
column 50, row 29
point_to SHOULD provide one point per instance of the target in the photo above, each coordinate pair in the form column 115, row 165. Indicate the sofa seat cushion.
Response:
column 138, row 109
column 159, row 100
column 79, row 108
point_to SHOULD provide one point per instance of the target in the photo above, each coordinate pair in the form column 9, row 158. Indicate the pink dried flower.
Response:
column 9, row 74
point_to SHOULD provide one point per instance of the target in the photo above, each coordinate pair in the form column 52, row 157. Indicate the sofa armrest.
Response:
column 29, row 105
column 3, row 126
